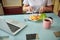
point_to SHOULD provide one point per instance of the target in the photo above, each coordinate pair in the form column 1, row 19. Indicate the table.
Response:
column 34, row 27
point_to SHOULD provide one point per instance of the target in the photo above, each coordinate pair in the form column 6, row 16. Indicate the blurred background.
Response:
column 10, row 7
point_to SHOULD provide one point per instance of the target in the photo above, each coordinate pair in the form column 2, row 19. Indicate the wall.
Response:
column 59, row 11
column 53, row 1
column 12, row 6
column 56, row 7
column 1, row 10
column 59, row 6
column 7, row 3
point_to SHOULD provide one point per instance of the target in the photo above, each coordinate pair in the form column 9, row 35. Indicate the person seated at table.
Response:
column 37, row 6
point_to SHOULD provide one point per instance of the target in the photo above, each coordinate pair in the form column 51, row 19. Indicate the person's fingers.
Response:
column 28, row 8
column 42, row 9
column 31, row 8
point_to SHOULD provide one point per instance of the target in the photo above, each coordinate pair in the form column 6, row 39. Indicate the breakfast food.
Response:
column 35, row 17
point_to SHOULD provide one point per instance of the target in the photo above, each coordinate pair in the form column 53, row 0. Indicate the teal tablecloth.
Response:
column 34, row 27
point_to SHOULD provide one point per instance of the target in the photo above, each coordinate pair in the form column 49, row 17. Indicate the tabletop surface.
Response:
column 34, row 27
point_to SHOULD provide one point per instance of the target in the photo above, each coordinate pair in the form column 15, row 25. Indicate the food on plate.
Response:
column 38, row 17
column 35, row 17
column 43, row 16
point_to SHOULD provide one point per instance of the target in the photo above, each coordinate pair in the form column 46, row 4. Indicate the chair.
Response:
column 59, row 13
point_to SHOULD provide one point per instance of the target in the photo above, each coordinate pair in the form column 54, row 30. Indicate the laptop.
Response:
column 11, row 26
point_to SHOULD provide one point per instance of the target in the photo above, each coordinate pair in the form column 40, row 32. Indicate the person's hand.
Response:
column 30, row 8
column 42, row 9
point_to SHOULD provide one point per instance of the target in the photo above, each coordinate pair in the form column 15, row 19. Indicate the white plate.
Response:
column 32, row 15
column 33, row 20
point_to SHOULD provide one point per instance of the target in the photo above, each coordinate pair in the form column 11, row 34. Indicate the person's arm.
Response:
column 49, row 8
column 27, row 8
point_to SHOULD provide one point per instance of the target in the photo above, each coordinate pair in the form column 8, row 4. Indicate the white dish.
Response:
column 33, row 20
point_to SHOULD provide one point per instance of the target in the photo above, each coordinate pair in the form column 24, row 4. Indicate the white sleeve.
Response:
column 25, row 2
column 49, row 2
